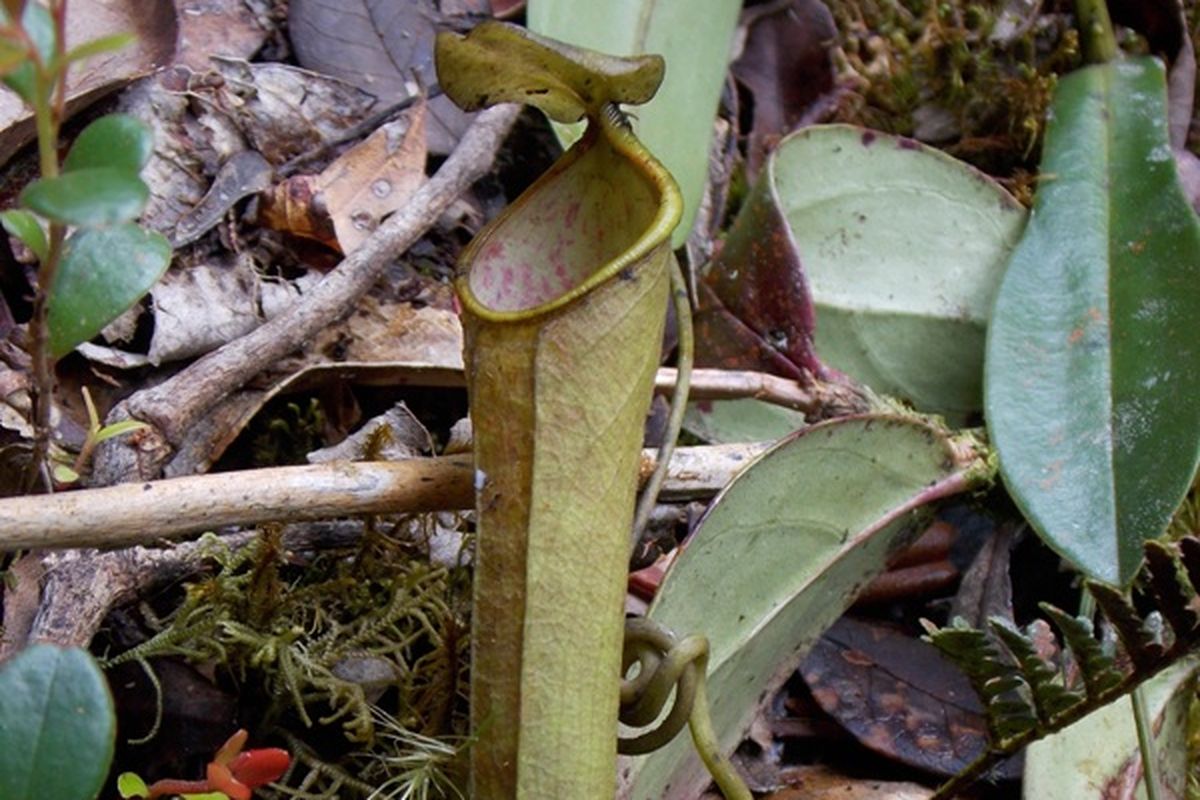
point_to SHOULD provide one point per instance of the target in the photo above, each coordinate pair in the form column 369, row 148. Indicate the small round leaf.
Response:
column 57, row 725
column 130, row 784
column 96, row 196
column 24, row 226
column 117, row 140
column 103, row 272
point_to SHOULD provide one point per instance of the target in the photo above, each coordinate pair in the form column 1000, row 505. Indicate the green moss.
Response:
column 335, row 640
column 955, row 74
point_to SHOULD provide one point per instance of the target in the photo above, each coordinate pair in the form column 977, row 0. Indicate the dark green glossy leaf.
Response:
column 103, row 272
column 1092, row 390
column 95, row 196
column 24, row 226
column 57, row 725
column 120, row 141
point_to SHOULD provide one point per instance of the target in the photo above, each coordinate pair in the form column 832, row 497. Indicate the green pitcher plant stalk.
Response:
column 564, row 300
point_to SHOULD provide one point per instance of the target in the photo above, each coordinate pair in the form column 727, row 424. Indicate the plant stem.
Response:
column 1099, row 43
column 48, row 109
column 43, row 364
column 679, row 397
column 1151, row 776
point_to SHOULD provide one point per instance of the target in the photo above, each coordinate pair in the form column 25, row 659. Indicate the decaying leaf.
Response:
column 283, row 110
column 384, row 47
column 210, row 28
column 786, row 65
column 375, row 178
column 898, row 696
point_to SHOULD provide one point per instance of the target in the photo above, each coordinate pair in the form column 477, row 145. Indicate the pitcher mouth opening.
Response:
column 603, row 206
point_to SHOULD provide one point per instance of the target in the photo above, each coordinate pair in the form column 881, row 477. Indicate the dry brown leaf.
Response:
column 822, row 783
column 209, row 28
column 284, row 111
column 296, row 206
column 375, row 178
column 154, row 24
column 384, row 47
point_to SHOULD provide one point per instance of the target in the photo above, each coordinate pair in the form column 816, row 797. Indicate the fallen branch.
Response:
column 178, row 403
column 818, row 400
column 146, row 513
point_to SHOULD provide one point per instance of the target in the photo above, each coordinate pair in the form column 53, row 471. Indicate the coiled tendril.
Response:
column 666, row 662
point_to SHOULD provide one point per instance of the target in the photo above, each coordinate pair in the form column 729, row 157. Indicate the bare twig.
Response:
column 144, row 513
column 819, row 400
column 176, row 404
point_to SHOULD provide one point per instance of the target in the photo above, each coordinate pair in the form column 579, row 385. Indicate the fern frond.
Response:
column 1027, row 697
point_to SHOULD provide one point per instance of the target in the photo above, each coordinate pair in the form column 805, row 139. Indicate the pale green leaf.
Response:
column 119, row 428
column 24, row 226
column 781, row 552
column 1097, row 750
column 104, row 44
column 904, row 249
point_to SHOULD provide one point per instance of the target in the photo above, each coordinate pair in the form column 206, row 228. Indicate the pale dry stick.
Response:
column 819, row 399
column 176, row 404
column 146, row 513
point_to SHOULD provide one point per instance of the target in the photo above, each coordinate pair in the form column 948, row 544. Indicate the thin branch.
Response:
column 146, row 513
column 820, row 400
column 179, row 402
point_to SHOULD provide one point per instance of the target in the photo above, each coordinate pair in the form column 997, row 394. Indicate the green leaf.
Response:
column 12, row 54
column 118, row 428
column 103, row 272
column 120, row 141
column 742, row 420
column 104, row 44
column 86, row 197
column 130, row 784
column 904, row 249
column 40, row 26
column 780, row 554
column 24, row 226
column 57, row 725
column 677, row 125
column 1092, row 391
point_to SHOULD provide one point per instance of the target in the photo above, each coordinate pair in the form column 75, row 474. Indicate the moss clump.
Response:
column 960, row 75
column 356, row 638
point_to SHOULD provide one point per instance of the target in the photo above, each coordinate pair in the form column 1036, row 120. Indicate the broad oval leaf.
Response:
column 121, row 141
column 781, row 553
column 103, row 272
column 1093, row 395
column 57, row 725
column 695, row 43
column 904, row 249
column 87, row 197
